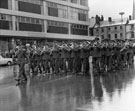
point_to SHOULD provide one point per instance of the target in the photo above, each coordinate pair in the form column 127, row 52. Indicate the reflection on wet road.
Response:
column 114, row 92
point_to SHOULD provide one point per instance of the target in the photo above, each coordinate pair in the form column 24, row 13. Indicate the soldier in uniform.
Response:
column 55, row 58
column 84, row 55
column 70, row 65
column 103, row 49
column 96, row 60
column 46, row 58
column 76, row 60
column 32, row 65
column 22, row 59
column 63, row 58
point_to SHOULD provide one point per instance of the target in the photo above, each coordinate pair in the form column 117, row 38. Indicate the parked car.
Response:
column 5, row 61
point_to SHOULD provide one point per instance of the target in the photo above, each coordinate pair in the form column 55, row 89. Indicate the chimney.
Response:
column 109, row 19
column 130, row 17
column 97, row 19
column 102, row 18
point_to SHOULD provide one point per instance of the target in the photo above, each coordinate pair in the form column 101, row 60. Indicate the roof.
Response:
column 115, row 22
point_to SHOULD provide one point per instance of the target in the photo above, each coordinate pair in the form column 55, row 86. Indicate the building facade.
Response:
column 115, row 29
column 42, row 19
column 130, row 30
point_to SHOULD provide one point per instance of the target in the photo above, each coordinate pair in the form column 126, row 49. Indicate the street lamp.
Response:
column 121, row 13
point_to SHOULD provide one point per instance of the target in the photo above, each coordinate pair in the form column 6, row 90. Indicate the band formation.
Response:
column 74, row 57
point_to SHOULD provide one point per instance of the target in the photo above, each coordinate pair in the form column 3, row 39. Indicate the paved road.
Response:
column 114, row 92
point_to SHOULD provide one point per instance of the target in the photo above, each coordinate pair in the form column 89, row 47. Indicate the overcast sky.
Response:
column 110, row 8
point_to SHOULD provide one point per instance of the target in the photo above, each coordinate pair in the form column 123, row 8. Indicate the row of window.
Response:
column 58, row 24
column 115, row 36
column 5, row 17
column 53, row 9
column 115, row 28
column 29, row 20
column 77, row 26
column 62, row 11
column 36, row 25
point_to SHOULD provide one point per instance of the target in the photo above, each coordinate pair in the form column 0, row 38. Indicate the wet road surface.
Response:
column 114, row 92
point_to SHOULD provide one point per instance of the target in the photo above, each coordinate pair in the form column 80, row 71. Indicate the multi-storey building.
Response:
column 115, row 29
column 130, row 30
column 42, row 19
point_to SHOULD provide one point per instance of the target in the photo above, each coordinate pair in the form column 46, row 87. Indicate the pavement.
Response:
column 113, row 92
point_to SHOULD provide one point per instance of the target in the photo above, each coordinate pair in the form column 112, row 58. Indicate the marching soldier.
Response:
column 55, row 58
column 22, row 59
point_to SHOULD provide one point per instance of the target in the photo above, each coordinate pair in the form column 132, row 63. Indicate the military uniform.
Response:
column 96, row 60
column 22, row 59
column 55, row 60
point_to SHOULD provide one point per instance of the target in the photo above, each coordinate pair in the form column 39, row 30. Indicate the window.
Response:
column 79, row 14
column 132, row 27
column 57, row 27
column 121, row 35
column 102, row 29
column 109, row 28
column 55, row 23
column 97, row 30
column 115, row 27
column 132, row 34
column 5, row 22
column 23, row 19
column 32, row 6
column 4, row 4
column 33, row 20
column 57, row 10
column 120, row 27
column 109, row 36
column 5, row 17
column 116, row 36
column 84, row 2
column 74, row 1
column 29, row 24
column 77, row 29
column 29, row 20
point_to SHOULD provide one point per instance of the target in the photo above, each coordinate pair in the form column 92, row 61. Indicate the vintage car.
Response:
column 6, row 61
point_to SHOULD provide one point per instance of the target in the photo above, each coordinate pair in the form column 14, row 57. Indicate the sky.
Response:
column 110, row 8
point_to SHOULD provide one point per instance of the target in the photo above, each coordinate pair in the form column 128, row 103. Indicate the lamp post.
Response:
column 121, row 13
